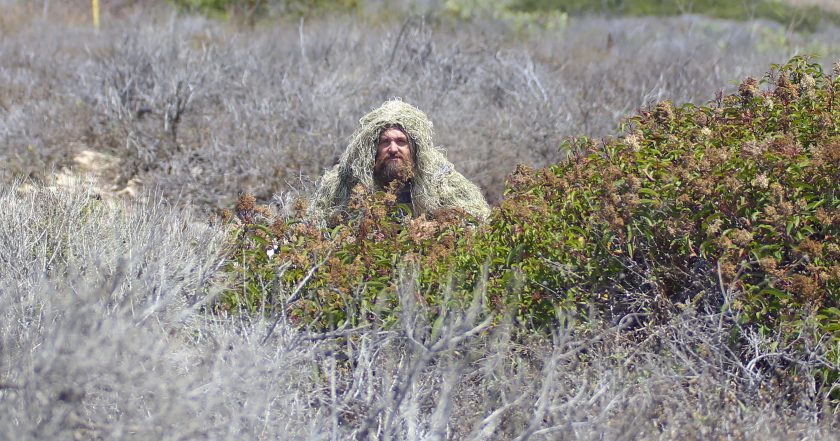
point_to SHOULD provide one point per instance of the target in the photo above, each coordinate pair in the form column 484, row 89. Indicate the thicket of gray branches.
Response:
column 104, row 333
column 203, row 110
column 104, row 337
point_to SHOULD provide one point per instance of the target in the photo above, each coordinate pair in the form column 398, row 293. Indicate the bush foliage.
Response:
column 253, row 10
column 732, row 202
column 524, row 12
column 799, row 17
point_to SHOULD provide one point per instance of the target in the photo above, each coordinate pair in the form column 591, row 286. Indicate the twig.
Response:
column 398, row 41
column 302, row 43
column 335, row 334
column 295, row 295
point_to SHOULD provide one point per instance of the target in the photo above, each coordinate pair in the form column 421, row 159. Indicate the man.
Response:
column 393, row 150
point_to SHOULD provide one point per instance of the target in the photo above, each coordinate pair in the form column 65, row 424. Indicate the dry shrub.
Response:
column 203, row 110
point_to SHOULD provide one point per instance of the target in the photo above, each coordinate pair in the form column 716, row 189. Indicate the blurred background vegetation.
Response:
column 798, row 14
column 203, row 99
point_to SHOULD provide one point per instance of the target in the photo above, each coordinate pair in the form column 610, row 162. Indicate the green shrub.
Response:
column 252, row 10
column 520, row 20
column 351, row 265
column 799, row 18
column 737, row 197
column 221, row 8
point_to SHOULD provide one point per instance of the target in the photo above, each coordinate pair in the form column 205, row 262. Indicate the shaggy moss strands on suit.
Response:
column 436, row 184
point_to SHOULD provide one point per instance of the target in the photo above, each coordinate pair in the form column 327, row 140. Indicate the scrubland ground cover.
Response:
column 673, row 280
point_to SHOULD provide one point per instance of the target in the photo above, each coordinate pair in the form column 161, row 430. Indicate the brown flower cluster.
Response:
column 785, row 90
column 664, row 113
column 749, row 88
column 245, row 208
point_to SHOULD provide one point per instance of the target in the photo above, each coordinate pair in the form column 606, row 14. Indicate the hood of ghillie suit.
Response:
column 435, row 184
column 357, row 161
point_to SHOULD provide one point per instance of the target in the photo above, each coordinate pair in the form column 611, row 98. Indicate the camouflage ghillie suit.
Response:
column 435, row 184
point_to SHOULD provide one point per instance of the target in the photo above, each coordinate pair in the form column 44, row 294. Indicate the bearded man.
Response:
column 393, row 150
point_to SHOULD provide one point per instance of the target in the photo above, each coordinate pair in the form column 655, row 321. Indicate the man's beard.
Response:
column 397, row 172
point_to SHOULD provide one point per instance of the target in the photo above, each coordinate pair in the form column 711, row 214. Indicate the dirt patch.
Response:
column 96, row 170
column 102, row 168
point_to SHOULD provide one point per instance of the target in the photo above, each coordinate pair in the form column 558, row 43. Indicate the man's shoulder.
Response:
column 444, row 169
column 454, row 190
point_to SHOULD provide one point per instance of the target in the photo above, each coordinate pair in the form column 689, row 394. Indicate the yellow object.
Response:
column 95, row 9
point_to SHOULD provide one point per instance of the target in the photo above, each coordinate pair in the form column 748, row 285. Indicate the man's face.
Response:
column 393, row 156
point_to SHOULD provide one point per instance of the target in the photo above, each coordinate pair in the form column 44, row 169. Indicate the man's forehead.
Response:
column 394, row 131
